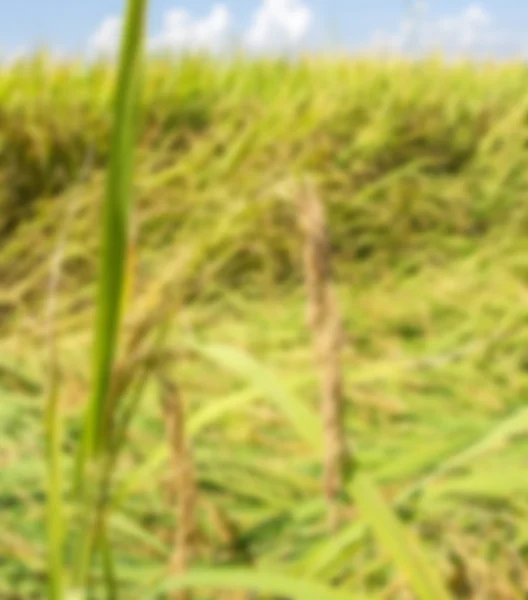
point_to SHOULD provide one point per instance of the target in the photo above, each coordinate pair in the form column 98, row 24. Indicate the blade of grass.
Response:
column 495, row 439
column 109, row 573
column 138, row 535
column 57, row 523
column 245, row 367
column 115, row 227
column 256, row 581
column 403, row 547
column 113, row 264
column 55, row 509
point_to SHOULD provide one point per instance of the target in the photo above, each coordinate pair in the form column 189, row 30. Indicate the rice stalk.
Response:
column 57, row 523
column 323, row 317
column 325, row 322
column 185, row 540
column 93, row 450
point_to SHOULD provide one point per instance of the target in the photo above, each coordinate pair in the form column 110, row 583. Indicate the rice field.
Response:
column 213, row 461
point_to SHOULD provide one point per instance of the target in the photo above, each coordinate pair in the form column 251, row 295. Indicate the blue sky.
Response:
column 490, row 26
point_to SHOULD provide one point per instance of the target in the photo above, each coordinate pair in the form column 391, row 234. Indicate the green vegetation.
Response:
column 424, row 171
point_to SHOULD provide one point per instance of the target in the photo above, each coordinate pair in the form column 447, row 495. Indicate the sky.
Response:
column 91, row 27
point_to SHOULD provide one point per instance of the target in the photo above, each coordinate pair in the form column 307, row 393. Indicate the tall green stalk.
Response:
column 55, row 508
column 115, row 223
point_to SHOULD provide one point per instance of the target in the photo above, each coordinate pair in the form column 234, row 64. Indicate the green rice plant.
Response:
column 96, row 442
column 115, row 228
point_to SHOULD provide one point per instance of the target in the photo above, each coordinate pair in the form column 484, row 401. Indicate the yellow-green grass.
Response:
column 423, row 169
column 410, row 417
column 412, row 160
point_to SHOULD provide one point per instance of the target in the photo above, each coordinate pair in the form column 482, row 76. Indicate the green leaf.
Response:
column 215, row 411
column 256, row 581
column 494, row 440
column 111, row 283
column 115, row 225
column 399, row 543
column 240, row 364
column 498, row 482
column 120, row 523
column 55, row 509
column 491, row 441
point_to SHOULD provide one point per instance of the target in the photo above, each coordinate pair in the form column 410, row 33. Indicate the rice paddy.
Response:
column 422, row 169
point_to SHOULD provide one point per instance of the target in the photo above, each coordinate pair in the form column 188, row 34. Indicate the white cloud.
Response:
column 181, row 31
column 471, row 27
column 471, row 31
column 278, row 23
column 105, row 41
